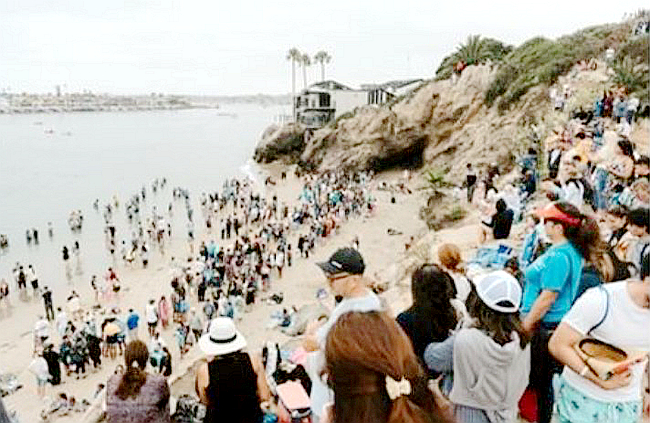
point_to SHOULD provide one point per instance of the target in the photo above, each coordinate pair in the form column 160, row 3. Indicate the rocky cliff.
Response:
column 441, row 124
column 492, row 113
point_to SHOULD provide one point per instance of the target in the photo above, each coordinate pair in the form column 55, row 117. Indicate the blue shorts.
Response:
column 573, row 406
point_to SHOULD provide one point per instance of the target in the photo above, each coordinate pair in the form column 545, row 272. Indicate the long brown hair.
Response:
column 499, row 326
column 432, row 288
column 585, row 236
column 134, row 376
column 361, row 350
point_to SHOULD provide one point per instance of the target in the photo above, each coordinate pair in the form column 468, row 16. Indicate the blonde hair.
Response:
column 450, row 257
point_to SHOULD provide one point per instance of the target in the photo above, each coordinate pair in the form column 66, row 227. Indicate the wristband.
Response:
column 584, row 371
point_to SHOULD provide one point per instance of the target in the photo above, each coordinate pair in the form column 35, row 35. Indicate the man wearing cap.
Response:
column 344, row 273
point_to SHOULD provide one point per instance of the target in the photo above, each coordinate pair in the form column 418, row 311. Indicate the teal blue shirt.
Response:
column 558, row 270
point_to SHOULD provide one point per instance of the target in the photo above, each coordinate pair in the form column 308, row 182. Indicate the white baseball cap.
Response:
column 500, row 291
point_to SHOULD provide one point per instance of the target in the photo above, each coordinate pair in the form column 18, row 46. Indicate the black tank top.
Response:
column 232, row 390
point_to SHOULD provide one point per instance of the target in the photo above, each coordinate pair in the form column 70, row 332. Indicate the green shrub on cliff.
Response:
column 631, row 67
column 474, row 51
column 542, row 61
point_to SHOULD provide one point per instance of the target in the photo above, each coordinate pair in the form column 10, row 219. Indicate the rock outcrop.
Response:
column 444, row 126
column 280, row 142
column 441, row 124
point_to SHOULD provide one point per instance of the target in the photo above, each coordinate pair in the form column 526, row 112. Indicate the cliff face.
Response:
column 284, row 142
column 442, row 124
column 491, row 114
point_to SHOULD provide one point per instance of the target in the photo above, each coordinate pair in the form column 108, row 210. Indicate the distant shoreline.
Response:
column 27, row 111
column 87, row 102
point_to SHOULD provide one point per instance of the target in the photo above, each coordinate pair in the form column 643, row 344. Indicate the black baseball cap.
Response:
column 344, row 260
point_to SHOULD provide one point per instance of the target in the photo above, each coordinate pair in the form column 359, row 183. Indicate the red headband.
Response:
column 552, row 212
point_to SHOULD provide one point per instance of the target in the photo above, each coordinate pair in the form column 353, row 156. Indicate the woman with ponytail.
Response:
column 374, row 373
column 135, row 395
column 552, row 285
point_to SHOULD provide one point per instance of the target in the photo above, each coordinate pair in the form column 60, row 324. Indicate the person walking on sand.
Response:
column 47, row 303
column 39, row 368
column 470, row 182
column 163, row 311
column 151, row 314
column 132, row 324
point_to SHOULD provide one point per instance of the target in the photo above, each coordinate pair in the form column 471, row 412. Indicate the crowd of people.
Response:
column 251, row 244
column 560, row 328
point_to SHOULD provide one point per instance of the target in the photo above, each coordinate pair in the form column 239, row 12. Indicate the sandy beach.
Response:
column 298, row 284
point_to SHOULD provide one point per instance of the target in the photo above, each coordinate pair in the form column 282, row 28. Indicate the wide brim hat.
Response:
column 222, row 338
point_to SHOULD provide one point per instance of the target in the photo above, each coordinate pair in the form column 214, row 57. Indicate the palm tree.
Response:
column 322, row 57
column 305, row 61
column 294, row 55
column 474, row 51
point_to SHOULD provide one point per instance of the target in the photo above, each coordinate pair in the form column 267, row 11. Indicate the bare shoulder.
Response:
column 202, row 371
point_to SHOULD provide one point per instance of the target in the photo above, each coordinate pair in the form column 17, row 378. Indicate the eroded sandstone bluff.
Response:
column 441, row 124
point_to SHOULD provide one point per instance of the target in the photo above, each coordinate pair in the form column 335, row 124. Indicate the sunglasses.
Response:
column 333, row 277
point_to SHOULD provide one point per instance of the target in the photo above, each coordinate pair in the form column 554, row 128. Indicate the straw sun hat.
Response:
column 222, row 338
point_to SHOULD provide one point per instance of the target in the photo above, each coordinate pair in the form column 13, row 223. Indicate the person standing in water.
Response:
column 33, row 279
column 66, row 258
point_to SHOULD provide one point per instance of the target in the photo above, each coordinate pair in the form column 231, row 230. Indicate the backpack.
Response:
column 188, row 410
column 588, row 193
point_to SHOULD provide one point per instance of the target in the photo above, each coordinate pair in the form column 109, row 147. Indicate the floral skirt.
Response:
column 573, row 406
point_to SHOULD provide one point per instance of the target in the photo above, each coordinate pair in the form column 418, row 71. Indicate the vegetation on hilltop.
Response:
column 476, row 50
column 543, row 61
column 631, row 67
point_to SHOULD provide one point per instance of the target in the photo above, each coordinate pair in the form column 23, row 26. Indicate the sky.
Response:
column 217, row 47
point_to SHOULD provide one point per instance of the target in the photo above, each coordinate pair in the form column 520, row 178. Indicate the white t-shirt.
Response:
column 42, row 328
column 369, row 302
column 626, row 325
column 463, row 287
column 32, row 275
column 151, row 313
column 39, row 367
column 320, row 393
column 61, row 322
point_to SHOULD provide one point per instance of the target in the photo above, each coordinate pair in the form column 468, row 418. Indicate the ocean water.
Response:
column 51, row 164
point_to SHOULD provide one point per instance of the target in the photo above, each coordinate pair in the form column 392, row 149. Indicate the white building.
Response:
column 325, row 101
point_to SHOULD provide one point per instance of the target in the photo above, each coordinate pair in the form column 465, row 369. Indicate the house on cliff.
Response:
column 325, row 101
